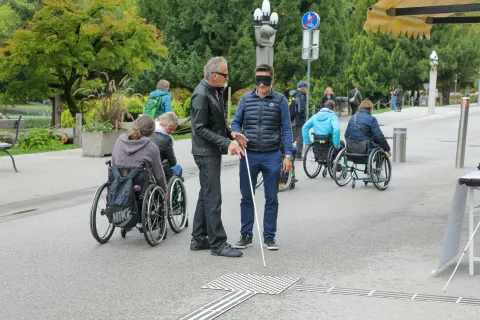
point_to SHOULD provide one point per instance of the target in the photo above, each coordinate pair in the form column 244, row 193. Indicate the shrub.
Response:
column 177, row 107
column 38, row 138
column 96, row 126
column 238, row 94
column 186, row 106
column 67, row 120
column 135, row 105
column 180, row 95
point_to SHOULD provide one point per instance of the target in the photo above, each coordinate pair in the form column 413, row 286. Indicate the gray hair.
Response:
column 163, row 84
column 168, row 119
column 213, row 65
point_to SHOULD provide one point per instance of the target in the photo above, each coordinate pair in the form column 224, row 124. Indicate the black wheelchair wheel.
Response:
column 177, row 204
column 332, row 154
column 154, row 215
column 380, row 169
column 343, row 174
column 259, row 180
column 310, row 165
column 100, row 226
column 285, row 180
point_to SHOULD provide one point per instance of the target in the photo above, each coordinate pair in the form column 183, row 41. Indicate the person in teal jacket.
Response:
column 324, row 123
column 163, row 91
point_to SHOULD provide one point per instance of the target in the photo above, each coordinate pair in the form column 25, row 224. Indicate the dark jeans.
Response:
column 208, row 220
column 270, row 164
column 354, row 107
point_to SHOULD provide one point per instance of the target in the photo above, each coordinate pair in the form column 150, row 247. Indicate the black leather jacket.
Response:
column 210, row 134
column 165, row 144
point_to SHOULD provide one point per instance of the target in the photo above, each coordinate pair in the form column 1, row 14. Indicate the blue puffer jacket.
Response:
column 166, row 100
column 264, row 121
column 324, row 123
column 369, row 124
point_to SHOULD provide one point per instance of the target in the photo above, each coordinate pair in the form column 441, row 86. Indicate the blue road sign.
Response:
column 310, row 20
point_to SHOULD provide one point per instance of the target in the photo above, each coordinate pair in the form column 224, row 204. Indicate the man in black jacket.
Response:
column 210, row 139
column 300, row 116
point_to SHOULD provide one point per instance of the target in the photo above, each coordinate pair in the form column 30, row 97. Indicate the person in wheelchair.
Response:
column 135, row 149
column 324, row 123
column 364, row 127
column 167, row 123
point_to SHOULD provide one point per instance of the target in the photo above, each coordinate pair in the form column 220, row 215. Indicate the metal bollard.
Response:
column 399, row 144
column 462, row 133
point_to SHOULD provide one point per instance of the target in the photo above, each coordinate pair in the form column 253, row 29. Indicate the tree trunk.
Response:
column 57, row 110
column 446, row 92
column 72, row 105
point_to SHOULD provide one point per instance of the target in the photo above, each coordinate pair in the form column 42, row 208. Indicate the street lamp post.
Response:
column 265, row 33
column 432, row 87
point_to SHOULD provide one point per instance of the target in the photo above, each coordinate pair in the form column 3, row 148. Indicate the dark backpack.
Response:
column 122, row 209
column 292, row 106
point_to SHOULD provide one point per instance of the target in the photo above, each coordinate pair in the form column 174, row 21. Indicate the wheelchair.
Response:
column 377, row 167
column 148, row 207
column 321, row 153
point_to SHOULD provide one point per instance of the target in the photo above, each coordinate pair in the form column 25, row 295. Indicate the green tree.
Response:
column 71, row 41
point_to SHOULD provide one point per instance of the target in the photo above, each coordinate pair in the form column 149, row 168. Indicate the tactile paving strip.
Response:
column 251, row 283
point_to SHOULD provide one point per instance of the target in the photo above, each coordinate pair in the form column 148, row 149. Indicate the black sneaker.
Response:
column 244, row 242
column 270, row 243
column 199, row 245
column 227, row 251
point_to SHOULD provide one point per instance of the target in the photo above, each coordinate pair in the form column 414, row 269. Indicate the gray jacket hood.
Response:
column 132, row 146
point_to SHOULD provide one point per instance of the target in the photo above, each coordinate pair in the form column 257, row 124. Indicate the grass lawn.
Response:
column 30, row 106
column 182, row 136
column 17, row 150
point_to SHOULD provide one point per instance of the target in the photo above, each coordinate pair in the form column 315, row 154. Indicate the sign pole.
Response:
column 308, row 72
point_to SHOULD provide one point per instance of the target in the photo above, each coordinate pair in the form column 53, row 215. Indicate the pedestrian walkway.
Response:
column 55, row 173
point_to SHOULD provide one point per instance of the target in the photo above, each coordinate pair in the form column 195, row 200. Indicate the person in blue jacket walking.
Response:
column 163, row 91
column 325, row 122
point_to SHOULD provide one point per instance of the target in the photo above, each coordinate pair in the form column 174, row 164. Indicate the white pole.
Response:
column 255, row 209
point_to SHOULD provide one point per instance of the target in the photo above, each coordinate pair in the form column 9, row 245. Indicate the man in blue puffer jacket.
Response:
column 325, row 122
column 163, row 91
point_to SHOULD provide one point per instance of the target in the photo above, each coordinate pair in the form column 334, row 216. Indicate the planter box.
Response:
column 99, row 143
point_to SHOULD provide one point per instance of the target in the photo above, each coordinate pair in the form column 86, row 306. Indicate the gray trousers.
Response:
column 298, row 138
column 208, row 220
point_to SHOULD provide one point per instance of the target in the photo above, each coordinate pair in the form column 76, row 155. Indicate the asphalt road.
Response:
column 52, row 268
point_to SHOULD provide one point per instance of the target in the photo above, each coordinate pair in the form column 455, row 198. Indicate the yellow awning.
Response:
column 410, row 25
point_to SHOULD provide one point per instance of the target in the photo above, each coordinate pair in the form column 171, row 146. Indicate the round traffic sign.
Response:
column 310, row 20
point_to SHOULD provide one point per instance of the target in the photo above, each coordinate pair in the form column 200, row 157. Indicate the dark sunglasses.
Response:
column 225, row 75
column 266, row 80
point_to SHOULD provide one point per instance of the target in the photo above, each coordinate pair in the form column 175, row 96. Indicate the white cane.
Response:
column 255, row 209
column 473, row 235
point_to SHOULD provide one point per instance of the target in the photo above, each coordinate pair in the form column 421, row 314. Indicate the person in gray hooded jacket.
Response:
column 135, row 148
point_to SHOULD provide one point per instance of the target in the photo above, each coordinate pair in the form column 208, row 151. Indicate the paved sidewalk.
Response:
column 55, row 173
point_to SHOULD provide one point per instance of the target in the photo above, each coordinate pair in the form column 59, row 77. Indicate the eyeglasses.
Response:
column 225, row 75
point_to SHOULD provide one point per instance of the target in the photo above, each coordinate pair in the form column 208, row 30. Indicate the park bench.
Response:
column 11, row 124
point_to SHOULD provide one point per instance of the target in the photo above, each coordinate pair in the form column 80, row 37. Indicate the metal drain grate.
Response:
column 252, row 283
column 387, row 294
column 219, row 306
